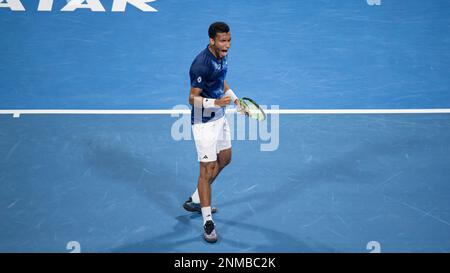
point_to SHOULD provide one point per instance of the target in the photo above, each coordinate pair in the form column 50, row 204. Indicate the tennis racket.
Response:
column 252, row 109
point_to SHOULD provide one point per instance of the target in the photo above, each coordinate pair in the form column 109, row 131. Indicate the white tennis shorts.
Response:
column 211, row 138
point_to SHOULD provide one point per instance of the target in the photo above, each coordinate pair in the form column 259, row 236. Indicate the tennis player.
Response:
column 209, row 95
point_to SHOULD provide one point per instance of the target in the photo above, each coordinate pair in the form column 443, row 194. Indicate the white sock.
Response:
column 195, row 197
column 206, row 213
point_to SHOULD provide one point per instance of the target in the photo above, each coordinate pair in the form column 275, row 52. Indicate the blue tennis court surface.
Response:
column 327, row 183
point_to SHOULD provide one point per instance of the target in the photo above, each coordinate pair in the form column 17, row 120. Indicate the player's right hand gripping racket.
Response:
column 252, row 109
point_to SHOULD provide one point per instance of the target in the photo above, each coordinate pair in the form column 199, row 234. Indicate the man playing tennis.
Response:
column 209, row 95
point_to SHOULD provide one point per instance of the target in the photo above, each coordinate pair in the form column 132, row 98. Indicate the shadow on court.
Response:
column 147, row 173
column 173, row 241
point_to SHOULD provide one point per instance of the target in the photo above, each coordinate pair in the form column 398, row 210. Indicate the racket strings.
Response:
column 253, row 110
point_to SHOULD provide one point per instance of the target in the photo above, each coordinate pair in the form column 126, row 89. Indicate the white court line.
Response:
column 17, row 112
